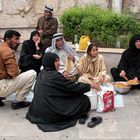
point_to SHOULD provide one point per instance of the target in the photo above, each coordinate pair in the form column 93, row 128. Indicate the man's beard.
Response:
column 47, row 17
column 14, row 47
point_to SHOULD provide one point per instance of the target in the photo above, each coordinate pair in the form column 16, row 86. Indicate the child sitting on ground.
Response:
column 91, row 66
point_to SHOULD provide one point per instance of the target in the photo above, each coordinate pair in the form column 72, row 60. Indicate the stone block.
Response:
column 16, row 21
column 64, row 4
column 69, row 134
column 101, row 3
column 15, row 6
column 40, row 5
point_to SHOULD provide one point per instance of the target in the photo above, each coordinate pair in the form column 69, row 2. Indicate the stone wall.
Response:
column 133, row 6
column 22, row 15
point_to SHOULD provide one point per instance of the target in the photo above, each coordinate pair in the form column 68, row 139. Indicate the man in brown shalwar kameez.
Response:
column 47, row 26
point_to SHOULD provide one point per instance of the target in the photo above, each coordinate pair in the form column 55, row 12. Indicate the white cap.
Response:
column 49, row 8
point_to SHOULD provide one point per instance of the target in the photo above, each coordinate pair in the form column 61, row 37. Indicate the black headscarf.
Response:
column 31, row 37
column 132, row 48
column 48, row 60
column 32, row 44
column 130, row 60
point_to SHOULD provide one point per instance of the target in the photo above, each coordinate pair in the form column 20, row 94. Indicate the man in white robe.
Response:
column 67, row 55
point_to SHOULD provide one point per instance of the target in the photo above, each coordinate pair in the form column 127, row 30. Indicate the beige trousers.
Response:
column 21, row 84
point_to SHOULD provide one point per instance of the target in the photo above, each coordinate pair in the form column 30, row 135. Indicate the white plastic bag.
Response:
column 92, row 95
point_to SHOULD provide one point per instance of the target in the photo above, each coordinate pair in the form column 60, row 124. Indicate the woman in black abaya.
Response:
column 129, row 64
column 31, row 53
column 58, row 102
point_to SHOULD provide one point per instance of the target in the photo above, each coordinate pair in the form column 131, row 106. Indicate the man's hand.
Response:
column 71, row 57
column 40, row 31
column 36, row 56
column 122, row 73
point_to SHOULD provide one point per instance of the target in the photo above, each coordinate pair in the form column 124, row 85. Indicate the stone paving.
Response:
column 122, row 124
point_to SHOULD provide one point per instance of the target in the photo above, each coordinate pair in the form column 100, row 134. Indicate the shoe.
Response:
column 83, row 119
column 19, row 105
column 2, row 103
column 94, row 121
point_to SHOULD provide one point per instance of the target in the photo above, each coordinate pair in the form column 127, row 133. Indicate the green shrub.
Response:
column 103, row 26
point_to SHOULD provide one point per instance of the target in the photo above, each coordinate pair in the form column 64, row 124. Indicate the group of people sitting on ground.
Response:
column 58, row 101
column 61, row 78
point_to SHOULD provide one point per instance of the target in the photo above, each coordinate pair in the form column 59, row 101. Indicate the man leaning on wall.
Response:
column 47, row 26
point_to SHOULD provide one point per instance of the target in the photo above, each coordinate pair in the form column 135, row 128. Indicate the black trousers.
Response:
column 24, row 69
column 115, row 74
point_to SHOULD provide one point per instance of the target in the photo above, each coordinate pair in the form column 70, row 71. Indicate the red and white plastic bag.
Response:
column 105, row 101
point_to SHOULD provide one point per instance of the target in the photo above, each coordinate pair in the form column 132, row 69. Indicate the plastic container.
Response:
column 83, row 43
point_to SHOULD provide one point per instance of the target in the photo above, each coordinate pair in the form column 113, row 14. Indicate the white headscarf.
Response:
column 68, row 49
column 49, row 8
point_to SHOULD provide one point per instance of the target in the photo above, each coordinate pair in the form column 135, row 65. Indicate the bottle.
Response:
column 76, row 45
column 75, row 39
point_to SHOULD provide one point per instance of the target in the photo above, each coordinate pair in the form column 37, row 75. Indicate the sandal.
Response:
column 94, row 121
column 2, row 103
column 83, row 119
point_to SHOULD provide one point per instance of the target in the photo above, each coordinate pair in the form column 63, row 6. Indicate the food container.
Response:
column 121, row 87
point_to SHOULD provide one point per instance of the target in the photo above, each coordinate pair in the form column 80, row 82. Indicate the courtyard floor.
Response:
column 122, row 124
